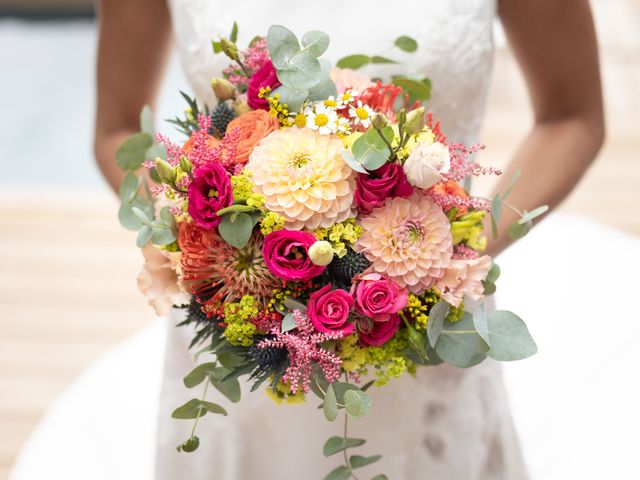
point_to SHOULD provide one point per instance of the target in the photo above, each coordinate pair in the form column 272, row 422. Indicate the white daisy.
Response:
column 322, row 119
column 361, row 114
column 346, row 98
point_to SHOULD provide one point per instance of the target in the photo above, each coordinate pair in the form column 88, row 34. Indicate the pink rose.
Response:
column 209, row 191
column 329, row 309
column 378, row 297
column 264, row 77
column 286, row 253
column 464, row 277
column 386, row 182
column 381, row 332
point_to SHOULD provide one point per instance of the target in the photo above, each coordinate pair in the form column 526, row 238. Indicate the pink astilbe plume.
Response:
column 462, row 166
column 303, row 345
column 253, row 59
column 447, row 202
column 464, row 252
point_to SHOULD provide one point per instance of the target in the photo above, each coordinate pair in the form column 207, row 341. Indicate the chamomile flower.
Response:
column 344, row 126
column 346, row 98
column 322, row 119
column 361, row 114
column 331, row 102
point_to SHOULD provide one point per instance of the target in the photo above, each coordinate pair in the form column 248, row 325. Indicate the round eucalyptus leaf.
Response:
column 330, row 404
column 358, row 461
column 406, row 44
column 518, row 230
column 293, row 98
column 339, row 473
column 354, row 61
column 129, row 187
column 417, row 90
column 357, row 403
column 236, row 232
column 316, row 42
column 281, row 44
column 146, row 120
column 377, row 59
column 535, row 213
column 132, row 153
column 338, row 444
column 460, row 345
column 437, row 315
column 509, row 337
column 144, row 235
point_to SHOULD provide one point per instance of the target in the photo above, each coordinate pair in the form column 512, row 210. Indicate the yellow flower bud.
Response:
column 229, row 48
column 321, row 253
column 241, row 106
column 223, row 89
column 379, row 121
column 166, row 172
column 415, row 121
column 185, row 164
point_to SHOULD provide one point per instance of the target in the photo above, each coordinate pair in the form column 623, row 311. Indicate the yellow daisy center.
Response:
column 321, row 120
column 330, row 103
column 346, row 97
column 362, row 113
column 300, row 120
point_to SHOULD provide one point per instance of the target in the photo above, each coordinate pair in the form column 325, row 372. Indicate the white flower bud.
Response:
column 426, row 164
column 321, row 253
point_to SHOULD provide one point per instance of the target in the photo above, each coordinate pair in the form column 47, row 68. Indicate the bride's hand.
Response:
column 133, row 47
column 555, row 44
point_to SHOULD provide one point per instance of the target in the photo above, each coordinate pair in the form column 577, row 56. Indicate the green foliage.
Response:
column 406, row 44
column 509, row 337
column 358, row 461
column 380, row 477
column 371, row 150
column 460, row 344
column 236, row 229
column 378, row 59
column 196, row 408
column 330, row 404
column 516, row 230
column 198, row 374
column 226, row 383
column 288, row 322
column 338, row 444
column 190, row 445
column 354, row 61
column 357, row 403
column 418, row 90
column 437, row 315
column 339, row 473
column 133, row 151
column 233, row 36
column 350, row 160
column 489, row 283
column 533, row 214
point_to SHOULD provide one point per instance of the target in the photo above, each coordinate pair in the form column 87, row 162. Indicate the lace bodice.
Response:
column 454, row 37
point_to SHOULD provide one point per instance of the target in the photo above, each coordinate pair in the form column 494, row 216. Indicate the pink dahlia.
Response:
column 408, row 240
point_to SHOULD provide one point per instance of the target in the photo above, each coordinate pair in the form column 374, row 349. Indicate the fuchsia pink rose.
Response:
column 388, row 181
column 329, row 309
column 265, row 77
column 381, row 332
column 209, row 191
column 378, row 297
column 286, row 253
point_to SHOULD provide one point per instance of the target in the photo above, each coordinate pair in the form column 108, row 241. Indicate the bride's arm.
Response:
column 555, row 44
column 135, row 37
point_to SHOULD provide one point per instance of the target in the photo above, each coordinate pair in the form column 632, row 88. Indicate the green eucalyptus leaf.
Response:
column 514, row 180
column 358, row 461
column 340, row 388
column 437, row 315
column 535, row 213
column 128, row 219
column 380, row 477
column 496, row 212
column 281, row 44
column 146, row 120
column 155, row 151
column 301, row 72
column 142, row 216
column 162, row 234
column 288, row 323
column 354, row 61
column 132, row 153
column 370, row 150
column 316, row 42
column 191, row 409
column 357, row 403
column 190, row 445
column 489, row 288
column 480, row 322
column 350, row 160
column 338, row 444
column 129, row 187
column 518, row 230
column 293, row 304
column 196, row 376
column 324, row 89
column 230, row 360
column 319, row 383
column 460, row 345
column 377, row 59
column 213, row 408
column 236, row 232
column 494, row 273
column 406, row 44
column 330, row 404
column 339, row 473
column 144, row 235
column 509, row 337
column 292, row 97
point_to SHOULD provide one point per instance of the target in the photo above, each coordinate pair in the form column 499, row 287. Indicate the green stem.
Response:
column 204, row 395
column 384, row 139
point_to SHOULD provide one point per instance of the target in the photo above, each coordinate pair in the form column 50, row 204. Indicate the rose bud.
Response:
column 321, row 253
column 223, row 89
column 166, row 172
column 415, row 121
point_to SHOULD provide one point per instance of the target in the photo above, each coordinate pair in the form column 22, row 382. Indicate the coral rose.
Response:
column 388, row 181
column 209, row 191
column 212, row 142
column 265, row 77
column 378, row 297
column 380, row 333
column 286, row 253
column 329, row 309
column 253, row 126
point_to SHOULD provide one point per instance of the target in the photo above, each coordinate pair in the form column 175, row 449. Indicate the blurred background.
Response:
column 67, row 276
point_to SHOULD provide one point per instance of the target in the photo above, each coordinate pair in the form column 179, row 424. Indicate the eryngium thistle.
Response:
column 344, row 269
column 221, row 115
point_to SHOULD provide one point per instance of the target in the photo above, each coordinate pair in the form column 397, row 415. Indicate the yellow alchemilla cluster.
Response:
column 277, row 109
column 271, row 222
column 340, row 234
column 242, row 186
column 418, row 307
column 283, row 393
column 425, row 136
column 353, row 356
column 469, row 229
column 239, row 330
column 455, row 313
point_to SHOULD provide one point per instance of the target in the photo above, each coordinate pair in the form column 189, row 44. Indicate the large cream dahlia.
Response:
column 409, row 240
column 303, row 177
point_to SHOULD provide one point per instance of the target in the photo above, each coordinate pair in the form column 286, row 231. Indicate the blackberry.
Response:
column 221, row 115
column 344, row 269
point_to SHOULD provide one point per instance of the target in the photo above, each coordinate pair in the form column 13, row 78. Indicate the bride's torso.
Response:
column 454, row 38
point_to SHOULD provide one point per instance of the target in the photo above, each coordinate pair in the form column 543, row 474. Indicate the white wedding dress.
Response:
column 447, row 423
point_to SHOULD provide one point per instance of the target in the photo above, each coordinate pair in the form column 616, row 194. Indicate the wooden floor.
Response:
column 67, row 275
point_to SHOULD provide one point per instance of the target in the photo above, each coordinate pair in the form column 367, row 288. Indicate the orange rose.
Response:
column 212, row 142
column 253, row 126
column 452, row 188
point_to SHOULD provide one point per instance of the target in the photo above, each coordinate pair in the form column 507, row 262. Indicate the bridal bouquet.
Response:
column 315, row 229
